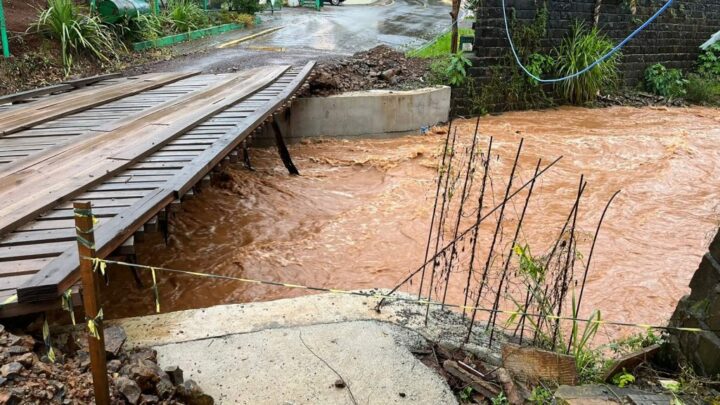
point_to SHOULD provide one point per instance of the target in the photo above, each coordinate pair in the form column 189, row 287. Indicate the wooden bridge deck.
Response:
column 38, row 252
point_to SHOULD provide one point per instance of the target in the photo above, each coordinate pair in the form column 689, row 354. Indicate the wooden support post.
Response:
column 246, row 157
column 91, row 300
column 3, row 33
column 282, row 148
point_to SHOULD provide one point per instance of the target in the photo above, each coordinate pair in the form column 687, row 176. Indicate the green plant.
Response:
column 634, row 342
column 665, row 82
column 709, row 60
column 702, row 90
column 456, row 72
column 247, row 6
column 466, row 394
column 538, row 64
column 588, row 361
column 439, row 46
column 577, row 51
column 541, row 396
column 623, row 378
column 186, row 15
column 500, row 399
column 77, row 32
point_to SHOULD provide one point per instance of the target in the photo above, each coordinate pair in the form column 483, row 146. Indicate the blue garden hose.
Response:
column 592, row 65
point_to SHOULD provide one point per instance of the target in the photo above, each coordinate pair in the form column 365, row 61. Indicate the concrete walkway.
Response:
column 293, row 351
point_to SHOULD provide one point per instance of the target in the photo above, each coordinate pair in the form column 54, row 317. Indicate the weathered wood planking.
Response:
column 93, row 159
column 50, row 108
column 58, row 274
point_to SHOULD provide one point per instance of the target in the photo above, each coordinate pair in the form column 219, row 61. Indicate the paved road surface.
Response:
column 308, row 34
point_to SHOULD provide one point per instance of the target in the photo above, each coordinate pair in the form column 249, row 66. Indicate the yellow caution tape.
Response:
column 388, row 297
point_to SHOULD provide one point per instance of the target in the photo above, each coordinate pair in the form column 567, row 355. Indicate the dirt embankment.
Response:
column 378, row 68
column 21, row 13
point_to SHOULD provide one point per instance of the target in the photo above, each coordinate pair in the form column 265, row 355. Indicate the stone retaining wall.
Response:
column 701, row 309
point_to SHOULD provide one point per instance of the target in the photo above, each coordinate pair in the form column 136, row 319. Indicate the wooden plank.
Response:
column 59, row 274
column 536, row 364
column 22, row 252
column 26, row 95
column 44, row 110
column 631, row 361
column 86, row 81
column 39, row 236
column 198, row 168
column 20, row 267
column 96, row 159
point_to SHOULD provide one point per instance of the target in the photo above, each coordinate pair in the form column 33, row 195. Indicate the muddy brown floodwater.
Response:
column 358, row 216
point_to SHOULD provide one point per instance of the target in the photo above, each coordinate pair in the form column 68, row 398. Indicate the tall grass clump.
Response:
column 577, row 51
column 186, row 15
column 77, row 32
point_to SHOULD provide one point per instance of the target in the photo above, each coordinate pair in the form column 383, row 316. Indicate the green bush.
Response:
column 247, row 6
column 665, row 82
column 702, row 90
column 186, row 15
column 577, row 51
column 709, row 60
column 77, row 32
column 449, row 70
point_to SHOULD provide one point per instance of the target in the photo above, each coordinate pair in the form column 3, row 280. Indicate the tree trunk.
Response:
column 454, row 16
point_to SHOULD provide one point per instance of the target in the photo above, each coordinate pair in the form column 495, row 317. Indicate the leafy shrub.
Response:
column 702, row 90
column 709, row 60
column 145, row 27
column 577, row 51
column 449, row 70
column 538, row 64
column 77, row 32
column 247, row 6
column 186, row 15
column 665, row 82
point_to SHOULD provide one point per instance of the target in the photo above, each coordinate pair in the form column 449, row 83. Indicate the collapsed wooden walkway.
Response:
column 132, row 146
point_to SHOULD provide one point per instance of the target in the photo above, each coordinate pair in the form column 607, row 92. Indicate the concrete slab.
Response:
column 253, row 353
column 278, row 366
column 368, row 113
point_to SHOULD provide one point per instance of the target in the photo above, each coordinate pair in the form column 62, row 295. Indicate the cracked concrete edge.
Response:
column 447, row 328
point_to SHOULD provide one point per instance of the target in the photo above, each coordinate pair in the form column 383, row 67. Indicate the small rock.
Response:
column 11, row 370
column 129, row 389
column 402, row 395
column 192, row 394
column 2, row 381
column 27, row 359
column 339, row 383
column 176, row 375
column 147, row 354
column 114, row 365
column 114, row 339
column 148, row 399
column 8, row 398
column 15, row 350
column 165, row 388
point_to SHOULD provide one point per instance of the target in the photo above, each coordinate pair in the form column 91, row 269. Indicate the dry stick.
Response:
column 492, row 245
column 441, row 221
column 463, row 197
column 476, row 231
column 465, row 232
column 496, row 304
column 568, row 263
column 547, row 266
column 432, row 218
column 590, row 255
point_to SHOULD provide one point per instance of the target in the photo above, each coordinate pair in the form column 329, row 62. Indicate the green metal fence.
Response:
column 3, row 32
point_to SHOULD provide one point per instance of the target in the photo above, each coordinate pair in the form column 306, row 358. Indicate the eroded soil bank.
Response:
column 358, row 215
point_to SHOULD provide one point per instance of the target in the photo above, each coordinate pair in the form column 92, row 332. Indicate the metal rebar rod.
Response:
column 476, row 231
column 440, row 225
column 466, row 231
column 494, row 240
column 568, row 261
column 496, row 304
column 432, row 218
column 463, row 197
column 590, row 255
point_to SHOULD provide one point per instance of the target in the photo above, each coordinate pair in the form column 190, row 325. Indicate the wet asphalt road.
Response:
column 307, row 34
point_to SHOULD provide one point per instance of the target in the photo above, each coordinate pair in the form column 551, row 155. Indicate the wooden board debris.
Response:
column 536, row 364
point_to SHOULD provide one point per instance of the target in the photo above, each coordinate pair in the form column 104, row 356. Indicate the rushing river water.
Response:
column 358, row 215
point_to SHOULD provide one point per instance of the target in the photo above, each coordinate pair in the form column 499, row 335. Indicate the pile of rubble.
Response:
column 378, row 68
column 28, row 376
